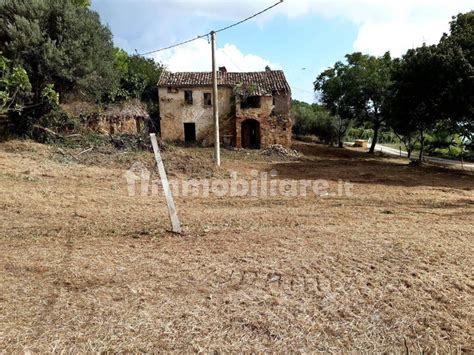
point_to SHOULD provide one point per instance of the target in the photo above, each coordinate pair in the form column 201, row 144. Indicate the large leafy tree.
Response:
column 368, row 81
column 457, row 52
column 332, row 85
column 138, row 79
column 59, row 42
column 357, row 90
column 417, row 91
column 138, row 76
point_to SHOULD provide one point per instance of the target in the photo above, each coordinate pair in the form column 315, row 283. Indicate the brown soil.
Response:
column 85, row 267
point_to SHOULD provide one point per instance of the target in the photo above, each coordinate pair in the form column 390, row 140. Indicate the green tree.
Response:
column 313, row 119
column 415, row 105
column 82, row 3
column 14, row 85
column 332, row 85
column 357, row 91
column 304, row 119
column 138, row 79
column 367, row 86
column 59, row 42
column 457, row 52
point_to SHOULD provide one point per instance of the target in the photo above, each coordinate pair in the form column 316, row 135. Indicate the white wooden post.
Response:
column 175, row 225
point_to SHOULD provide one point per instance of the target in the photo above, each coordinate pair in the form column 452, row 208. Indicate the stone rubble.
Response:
column 278, row 149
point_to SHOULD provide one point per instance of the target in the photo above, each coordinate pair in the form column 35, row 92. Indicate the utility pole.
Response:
column 215, row 102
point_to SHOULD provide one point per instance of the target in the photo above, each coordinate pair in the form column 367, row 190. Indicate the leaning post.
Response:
column 175, row 225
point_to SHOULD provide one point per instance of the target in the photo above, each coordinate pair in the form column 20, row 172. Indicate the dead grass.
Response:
column 85, row 267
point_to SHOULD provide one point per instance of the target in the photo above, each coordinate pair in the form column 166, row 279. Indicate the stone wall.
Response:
column 127, row 117
column 272, row 115
column 274, row 121
column 101, row 123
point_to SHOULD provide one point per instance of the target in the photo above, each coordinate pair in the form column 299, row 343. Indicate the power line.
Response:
column 217, row 31
column 250, row 17
column 175, row 45
column 232, row 60
column 302, row 90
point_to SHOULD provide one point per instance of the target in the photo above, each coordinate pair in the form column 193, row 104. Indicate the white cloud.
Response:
column 196, row 56
column 394, row 25
column 397, row 36
column 383, row 25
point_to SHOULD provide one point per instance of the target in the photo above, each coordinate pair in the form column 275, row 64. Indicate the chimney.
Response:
column 267, row 68
column 223, row 69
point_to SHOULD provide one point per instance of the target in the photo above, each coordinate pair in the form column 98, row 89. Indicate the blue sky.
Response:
column 301, row 37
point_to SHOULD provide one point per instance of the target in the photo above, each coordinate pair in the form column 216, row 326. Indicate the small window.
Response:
column 188, row 97
column 172, row 89
column 250, row 102
column 207, row 99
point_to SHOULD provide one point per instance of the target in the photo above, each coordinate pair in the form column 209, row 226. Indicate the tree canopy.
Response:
column 428, row 88
column 457, row 52
column 61, row 43
column 356, row 90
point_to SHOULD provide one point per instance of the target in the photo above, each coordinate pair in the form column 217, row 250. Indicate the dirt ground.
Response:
column 86, row 267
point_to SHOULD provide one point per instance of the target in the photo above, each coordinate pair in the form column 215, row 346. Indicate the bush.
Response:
column 325, row 129
column 53, row 126
column 313, row 120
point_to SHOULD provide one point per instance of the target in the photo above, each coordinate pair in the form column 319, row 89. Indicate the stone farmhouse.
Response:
column 253, row 108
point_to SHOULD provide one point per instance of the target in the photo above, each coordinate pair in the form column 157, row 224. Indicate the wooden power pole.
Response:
column 215, row 102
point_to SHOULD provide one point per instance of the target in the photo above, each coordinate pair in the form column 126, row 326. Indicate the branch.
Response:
column 12, row 100
column 47, row 130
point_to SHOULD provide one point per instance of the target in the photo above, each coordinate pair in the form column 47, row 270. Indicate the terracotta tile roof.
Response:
column 265, row 81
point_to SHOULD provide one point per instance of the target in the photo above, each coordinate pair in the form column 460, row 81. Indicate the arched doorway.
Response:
column 250, row 130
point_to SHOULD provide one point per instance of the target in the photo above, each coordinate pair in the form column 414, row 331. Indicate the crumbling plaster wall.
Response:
column 174, row 112
column 274, row 119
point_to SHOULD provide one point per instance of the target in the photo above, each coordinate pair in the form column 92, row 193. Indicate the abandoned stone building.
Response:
column 253, row 108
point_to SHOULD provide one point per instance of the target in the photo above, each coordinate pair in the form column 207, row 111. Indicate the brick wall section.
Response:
column 274, row 121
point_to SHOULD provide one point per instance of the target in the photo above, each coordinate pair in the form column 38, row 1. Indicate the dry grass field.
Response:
column 86, row 267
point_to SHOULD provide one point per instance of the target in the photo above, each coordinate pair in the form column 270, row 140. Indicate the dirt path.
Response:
column 455, row 164
column 85, row 267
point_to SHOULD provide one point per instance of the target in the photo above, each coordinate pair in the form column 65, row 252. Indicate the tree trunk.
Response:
column 340, row 137
column 374, row 139
column 422, row 147
column 409, row 153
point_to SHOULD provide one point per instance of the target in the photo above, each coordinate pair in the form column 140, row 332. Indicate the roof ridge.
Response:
column 266, row 81
column 227, row 72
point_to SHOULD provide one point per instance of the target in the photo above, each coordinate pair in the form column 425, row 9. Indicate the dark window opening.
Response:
column 188, row 97
column 189, row 132
column 207, row 99
column 250, row 102
column 172, row 89
column 250, row 133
